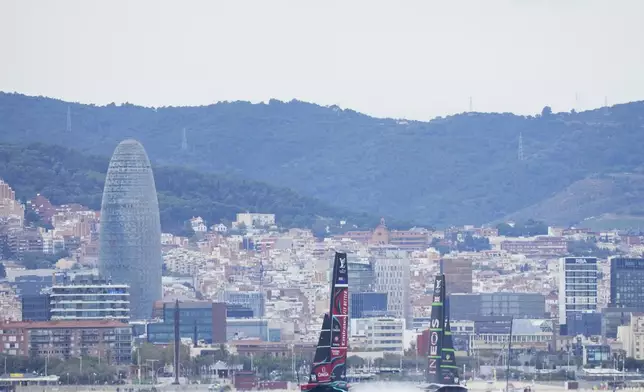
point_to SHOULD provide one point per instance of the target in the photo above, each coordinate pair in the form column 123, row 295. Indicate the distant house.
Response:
column 220, row 228
column 254, row 220
column 198, row 225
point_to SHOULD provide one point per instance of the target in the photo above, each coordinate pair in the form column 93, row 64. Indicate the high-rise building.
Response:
column 35, row 307
column 627, row 282
column 367, row 304
column 577, row 288
column 360, row 276
column 9, row 206
column 476, row 305
column 392, row 275
column 130, row 230
column 253, row 300
column 458, row 274
column 203, row 320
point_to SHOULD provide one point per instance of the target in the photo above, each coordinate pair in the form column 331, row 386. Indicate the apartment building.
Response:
column 87, row 297
column 108, row 340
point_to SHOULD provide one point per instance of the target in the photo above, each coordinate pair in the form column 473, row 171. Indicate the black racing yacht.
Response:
column 329, row 371
column 442, row 372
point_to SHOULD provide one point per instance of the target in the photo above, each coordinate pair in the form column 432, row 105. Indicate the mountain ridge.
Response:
column 461, row 169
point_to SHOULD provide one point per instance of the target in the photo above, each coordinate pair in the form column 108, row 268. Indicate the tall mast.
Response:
column 339, row 314
column 436, row 332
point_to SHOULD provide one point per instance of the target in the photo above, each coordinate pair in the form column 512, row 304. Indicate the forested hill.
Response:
column 455, row 170
column 67, row 176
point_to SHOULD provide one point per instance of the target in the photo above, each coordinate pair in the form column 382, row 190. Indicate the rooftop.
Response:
column 65, row 324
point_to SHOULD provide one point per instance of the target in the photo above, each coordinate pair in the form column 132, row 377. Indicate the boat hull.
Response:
column 326, row 387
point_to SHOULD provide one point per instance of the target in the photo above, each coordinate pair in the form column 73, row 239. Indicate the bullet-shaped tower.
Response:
column 130, row 231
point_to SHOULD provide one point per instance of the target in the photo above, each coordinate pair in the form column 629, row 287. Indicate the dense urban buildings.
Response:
column 413, row 239
column 260, row 289
column 130, row 232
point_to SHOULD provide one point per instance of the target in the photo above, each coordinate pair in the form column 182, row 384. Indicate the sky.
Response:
column 414, row 59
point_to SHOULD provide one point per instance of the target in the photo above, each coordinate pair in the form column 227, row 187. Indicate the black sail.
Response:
column 329, row 364
column 449, row 370
column 322, row 350
column 442, row 367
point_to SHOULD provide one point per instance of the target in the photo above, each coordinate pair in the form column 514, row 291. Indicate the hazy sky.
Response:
column 396, row 58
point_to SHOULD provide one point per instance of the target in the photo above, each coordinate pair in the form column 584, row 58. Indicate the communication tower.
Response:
column 184, row 141
column 69, row 119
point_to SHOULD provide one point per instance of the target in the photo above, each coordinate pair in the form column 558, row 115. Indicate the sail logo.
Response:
column 342, row 268
column 433, row 344
column 323, row 373
column 343, row 333
column 345, row 302
column 439, row 285
column 335, row 352
column 435, row 323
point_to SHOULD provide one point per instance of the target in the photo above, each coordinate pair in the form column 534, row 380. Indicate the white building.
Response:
column 577, row 286
column 392, row 276
column 632, row 336
column 52, row 243
column 198, row 225
column 219, row 228
column 379, row 334
column 253, row 219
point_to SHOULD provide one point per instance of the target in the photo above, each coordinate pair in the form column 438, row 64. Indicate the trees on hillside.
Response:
column 67, row 176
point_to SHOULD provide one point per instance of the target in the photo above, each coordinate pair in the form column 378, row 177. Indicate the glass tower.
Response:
column 130, row 232
column 627, row 282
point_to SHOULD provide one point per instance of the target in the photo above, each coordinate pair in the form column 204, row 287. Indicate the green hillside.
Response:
column 67, row 176
column 603, row 195
column 454, row 170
